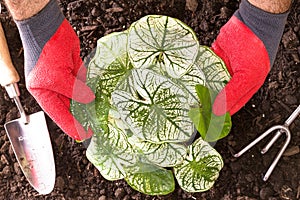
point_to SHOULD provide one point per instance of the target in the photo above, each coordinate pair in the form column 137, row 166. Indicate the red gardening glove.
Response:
column 59, row 76
column 247, row 61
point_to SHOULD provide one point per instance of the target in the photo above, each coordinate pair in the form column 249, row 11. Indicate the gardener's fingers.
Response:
column 79, row 68
column 57, row 107
column 80, row 92
column 61, row 82
column 236, row 94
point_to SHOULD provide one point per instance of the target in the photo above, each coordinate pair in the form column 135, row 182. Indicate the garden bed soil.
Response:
column 240, row 179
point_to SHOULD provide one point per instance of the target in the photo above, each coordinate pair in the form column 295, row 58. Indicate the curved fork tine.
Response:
column 287, row 123
column 281, row 129
column 254, row 142
column 272, row 141
column 274, row 163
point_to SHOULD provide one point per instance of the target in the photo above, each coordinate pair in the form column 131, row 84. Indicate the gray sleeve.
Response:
column 36, row 31
column 267, row 26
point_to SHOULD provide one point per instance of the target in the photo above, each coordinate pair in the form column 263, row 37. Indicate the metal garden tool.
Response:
column 29, row 134
column 279, row 129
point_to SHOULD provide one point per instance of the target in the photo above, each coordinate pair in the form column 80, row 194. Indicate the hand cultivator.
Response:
column 280, row 129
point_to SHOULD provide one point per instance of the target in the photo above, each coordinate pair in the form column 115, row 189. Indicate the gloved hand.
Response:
column 53, row 67
column 247, row 61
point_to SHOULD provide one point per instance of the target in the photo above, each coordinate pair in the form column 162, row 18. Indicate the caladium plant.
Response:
column 154, row 87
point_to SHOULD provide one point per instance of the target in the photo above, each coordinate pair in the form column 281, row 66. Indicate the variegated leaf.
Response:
column 200, row 169
column 109, row 65
column 194, row 76
column 163, row 155
column 163, row 41
column 213, row 67
column 111, row 154
column 154, row 108
column 150, row 179
column 111, row 48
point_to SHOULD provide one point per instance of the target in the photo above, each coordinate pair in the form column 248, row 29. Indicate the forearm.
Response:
column 24, row 9
column 272, row 6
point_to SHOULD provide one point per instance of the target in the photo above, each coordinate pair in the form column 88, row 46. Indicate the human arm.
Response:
column 248, row 44
column 53, row 68
column 272, row 6
column 24, row 9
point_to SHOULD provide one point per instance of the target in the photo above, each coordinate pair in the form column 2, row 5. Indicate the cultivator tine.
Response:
column 272, row 141
column 272, row 129
column 280, row 129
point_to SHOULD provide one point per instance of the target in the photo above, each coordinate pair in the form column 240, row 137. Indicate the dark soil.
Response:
column 240, row 179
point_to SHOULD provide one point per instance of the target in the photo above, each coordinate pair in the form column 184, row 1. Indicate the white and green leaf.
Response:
column 154, row 108
column 200, row 169
column 111, row 49
column 163, row 41
column 111, row 153
column 213, row 67
column 110, row 63
column 150, row 179
column 163, row 155
column 194, row 76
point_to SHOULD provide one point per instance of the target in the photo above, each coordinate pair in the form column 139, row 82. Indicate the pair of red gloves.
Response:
column 58, row 75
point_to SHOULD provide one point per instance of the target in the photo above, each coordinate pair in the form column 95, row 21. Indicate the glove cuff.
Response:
column 268, row 27
column 36, row 31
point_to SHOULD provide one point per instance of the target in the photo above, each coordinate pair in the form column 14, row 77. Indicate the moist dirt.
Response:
column 240, row 179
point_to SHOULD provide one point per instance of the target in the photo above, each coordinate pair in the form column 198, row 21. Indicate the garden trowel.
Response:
column 29, row 134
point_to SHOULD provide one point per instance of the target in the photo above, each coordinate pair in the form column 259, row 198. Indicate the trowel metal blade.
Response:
column 32, row 147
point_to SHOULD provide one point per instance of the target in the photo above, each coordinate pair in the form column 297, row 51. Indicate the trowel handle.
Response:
column 12, row 90
column 9, row 76
column 8, row 73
